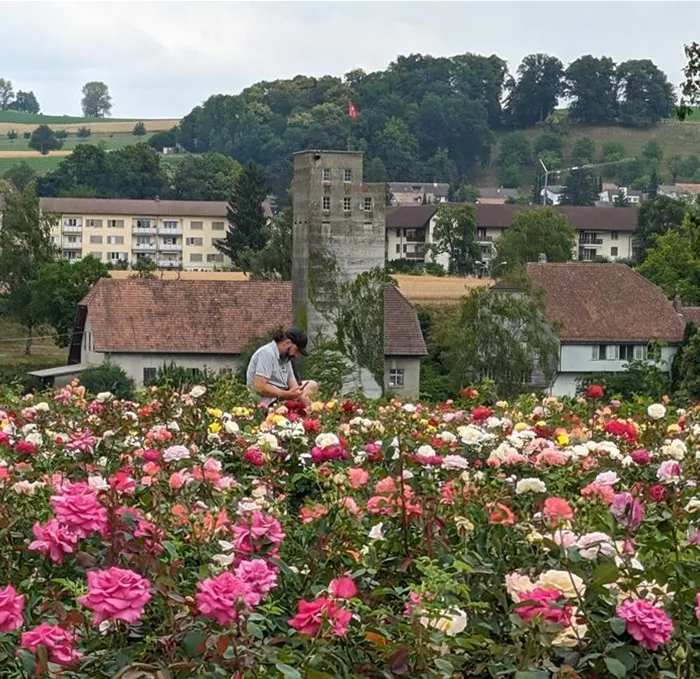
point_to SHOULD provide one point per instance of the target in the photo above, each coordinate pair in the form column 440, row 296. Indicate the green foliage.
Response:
column 413, row 268
column 83, row 132
column 515, row 150
column 21, row 175
column 455, row 235
column 501, row 336
column 12, row 134
column 96, row 102
column 6, row 93
column 466, row 194
column 245, row 216
column 580, row 188
column 58, row 288
column 534, row 232
column 173, row 376
column 140, row 130
column 612, row 151
column 656, row 217
column 647, row 95
column 533, row 96
column 107, row 377
column 144, row 267
column 274, row 261
column 25, row 102
column 583, row 151
column 163, row 139
column 44, row 139
column 327, row 366
column 211, row 176
column 591, row 83
column 639, row 378
column 62, row 133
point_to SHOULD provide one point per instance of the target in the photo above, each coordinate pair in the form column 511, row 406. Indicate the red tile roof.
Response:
column 213, row 317
column 605, row 303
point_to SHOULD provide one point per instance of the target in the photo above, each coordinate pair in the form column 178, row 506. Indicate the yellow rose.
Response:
column 520, row 426
column 278, row 419
column 673, row 429
column 317, row 406
column 423, row 422
column 330, row 405
column 563, row 440
column 214, row 412
column 214, row 428
column 569, row 584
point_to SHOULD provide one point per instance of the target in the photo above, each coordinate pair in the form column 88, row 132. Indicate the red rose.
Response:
column 657, row 493
column 595, row 391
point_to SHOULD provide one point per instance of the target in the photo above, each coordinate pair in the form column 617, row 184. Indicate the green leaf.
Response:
column 28, row 661
column 254, row 630
column 170, row 548
column 617, row 625
column 444, row 665
column 605, row 573
column 288, row 671
column 532, row 674
column 194, row 642
column 615, row 667
column 316, row 674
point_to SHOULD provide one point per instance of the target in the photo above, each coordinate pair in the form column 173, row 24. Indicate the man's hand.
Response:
column 294, row 392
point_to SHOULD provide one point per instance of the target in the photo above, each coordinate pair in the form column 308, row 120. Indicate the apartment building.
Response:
column 600, row 232
column 173, row 233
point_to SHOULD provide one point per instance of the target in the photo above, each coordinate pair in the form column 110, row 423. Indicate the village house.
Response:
column 417, row 193
column 600, row 233
column 608, row 315
column 144, row 324
column 496, row 196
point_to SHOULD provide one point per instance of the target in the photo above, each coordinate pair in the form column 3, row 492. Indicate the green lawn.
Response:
column 14, row 362
column 115, row 140
column 39, row 119
column 38, row 163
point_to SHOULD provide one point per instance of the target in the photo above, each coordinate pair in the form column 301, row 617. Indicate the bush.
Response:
column 161, row 140
column 434, row 269
column 12, row 135
column 638, row 379
column 62, row 134
column 27, row 135
column 140, row 130
column 108, row 377
column 84, row 132
column 182, row 379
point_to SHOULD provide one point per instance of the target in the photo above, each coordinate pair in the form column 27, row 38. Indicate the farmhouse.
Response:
column 142, row 325
column 609, row 315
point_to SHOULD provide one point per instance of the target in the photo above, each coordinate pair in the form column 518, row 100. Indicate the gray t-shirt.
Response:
column 267, row 363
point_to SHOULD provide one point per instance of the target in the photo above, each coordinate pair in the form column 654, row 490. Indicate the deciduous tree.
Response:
column 6, row 93
column 580, row 188
column 656, row 217
column 44, row 139
column 96, row 102
column 455, row 235
column 26, row 102
column 211, row 176
column 535, row 93
column 591, row 83
column 20, row 175
column 583, row 151
column 647, row 95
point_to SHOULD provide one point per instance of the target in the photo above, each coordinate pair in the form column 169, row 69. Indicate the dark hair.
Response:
column 295, row 336
column 279, row 336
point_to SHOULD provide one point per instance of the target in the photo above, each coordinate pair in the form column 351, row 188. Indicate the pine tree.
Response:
column 246, row 219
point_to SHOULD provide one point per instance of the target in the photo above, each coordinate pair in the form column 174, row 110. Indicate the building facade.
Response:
column 174, row 234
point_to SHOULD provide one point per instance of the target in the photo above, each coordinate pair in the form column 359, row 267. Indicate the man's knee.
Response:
column 311, row 387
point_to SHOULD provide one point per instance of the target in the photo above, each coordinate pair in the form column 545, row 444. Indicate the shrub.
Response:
column 180, row 378
column 27, row 135
column 12, row 134
column 84, row 132
column 140, row 130
column 62, row 134
column 108, row 377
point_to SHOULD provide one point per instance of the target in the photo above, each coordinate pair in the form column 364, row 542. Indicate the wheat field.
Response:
column 104, row 126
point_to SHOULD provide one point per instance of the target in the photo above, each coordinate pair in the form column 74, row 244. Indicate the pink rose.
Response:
column 537, row 603
column 258, row 575
column 76, row 507
column 641, row 457
column 57, row 642
column 357, row 477
column 343, row 588
column 53, row 540
column 224, row 597
column 628, row 511
column 649, row 625
column 11, row 607
column 312, row 614
column 669, row 471
column 116, row 594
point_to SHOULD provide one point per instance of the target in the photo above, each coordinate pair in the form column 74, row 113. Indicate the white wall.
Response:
column 411, row 376
column 579, row 358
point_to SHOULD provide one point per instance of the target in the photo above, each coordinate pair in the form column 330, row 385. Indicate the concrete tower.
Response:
column 337, row 218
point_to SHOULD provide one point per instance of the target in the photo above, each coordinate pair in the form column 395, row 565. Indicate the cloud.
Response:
column 162, row 58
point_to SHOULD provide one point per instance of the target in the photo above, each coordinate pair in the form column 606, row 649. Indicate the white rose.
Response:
column 426, row 451
column 268, row 442
column 571, row 636
column 197, row 391
column 98, row 482
column 451, row 622
column 569, row 584
column 230, row 427
column 454, row 462
column 27, row 487
column 327, row 440
column 607, row 479
column 42, row 407
column 656, row 411
column 447, row 436
column 531, row 485
column 591, row 545
column 103, row 396
column 517, row 584
column 409, row 408
column 377, row 532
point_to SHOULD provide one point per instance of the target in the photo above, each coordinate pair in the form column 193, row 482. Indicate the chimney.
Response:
column 542, row 258
column 677, row 304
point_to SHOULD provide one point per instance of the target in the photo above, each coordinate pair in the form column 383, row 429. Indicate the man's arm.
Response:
column 264, row 388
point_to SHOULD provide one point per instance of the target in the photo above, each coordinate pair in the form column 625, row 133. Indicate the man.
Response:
column 270, row 372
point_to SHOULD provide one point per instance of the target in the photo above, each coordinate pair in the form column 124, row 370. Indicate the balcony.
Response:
column 72, row 228
column 66, row 245
column 590, row 240
column 414, row 255
column 163, row 247
column 484, row 239
column 168, row 263
column 144, row 247
column 162, row 231
column 144, row 230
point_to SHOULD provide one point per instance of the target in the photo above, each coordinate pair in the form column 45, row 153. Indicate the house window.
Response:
column 326, row 203
column 71, row 254
column 614, row 235
column 194, row 241
column 599, row 352
column 396, row 378
column 116, row 256
column 96, row 255
column 627, row 352
column 398, row 249
column 613, row 252
column 142, row 240
column 368, row 203
column 481, row 232
column 215, row 258
column 149, row 376
column 143, row 223
column 195, row 257
column 115, row 240
column 94, row 223
column 347, row 204
column 347, row 175
column 70, row 221
column 169, row 241
column 72, row 240
column 640, row 352
column 170, row 225
column 217, row 226
column 96, row 239
column 326, row 174
column 196, row 225
column 119, row 223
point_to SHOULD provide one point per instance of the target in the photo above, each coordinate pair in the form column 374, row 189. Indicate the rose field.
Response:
column 192, row 535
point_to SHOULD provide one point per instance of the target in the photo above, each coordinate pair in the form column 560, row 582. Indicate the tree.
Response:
column 108, row 377
column 498, row 336
column 583, row 151
column 144, row 267
column 591, row 83
column 96, row 102
column 690, row 90
column 375, row 171
column 647, row 96
column 621, row 199
column 25, row 246
column 673, row 261
column 400, row 149
column 6, row 94
column 511, row 176
column 83, row 132
column 246, row 219
column 44, row 139
column 534, row 232
column 274, row 261
column 653, row 153
column 514, row 155
column 466, row 194
column 161, row 140
column 20, row 175
column 536, row 92
column 580, row 188
column 656, row 217
column 455, row 235
column 550, row 145
column 140, row 130
column 26, row 102
column 675, row 167
column 654, row 183
column 211, row 176
column 12, row 134
column 135, row 172
column 57, row 290
column 612, row 151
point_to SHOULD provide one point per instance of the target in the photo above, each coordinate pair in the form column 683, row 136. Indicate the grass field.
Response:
column 45, row 353
column 418, row 289
column 116, row 140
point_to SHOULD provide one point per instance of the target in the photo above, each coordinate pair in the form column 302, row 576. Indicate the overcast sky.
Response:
column 161, row 59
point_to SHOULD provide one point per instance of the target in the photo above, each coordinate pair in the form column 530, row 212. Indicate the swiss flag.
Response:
column 352, row 111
